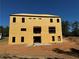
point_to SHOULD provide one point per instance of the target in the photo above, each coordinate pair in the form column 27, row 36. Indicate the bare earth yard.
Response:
column 39, row 52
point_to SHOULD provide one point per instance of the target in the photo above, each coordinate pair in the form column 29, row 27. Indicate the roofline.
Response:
column 36, row 16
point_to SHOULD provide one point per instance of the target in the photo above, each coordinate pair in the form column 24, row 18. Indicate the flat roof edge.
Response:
column 36, row 16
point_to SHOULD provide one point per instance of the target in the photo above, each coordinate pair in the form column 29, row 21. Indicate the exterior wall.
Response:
column 44, row 22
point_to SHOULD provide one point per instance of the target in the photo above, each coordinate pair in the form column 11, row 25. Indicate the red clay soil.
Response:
column 34, row 51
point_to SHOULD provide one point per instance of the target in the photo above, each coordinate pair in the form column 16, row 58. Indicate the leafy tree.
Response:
column 65, row 28
column 75, row 28
column 6, row 31
column 1, row 29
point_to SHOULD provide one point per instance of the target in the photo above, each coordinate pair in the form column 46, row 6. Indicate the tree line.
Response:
column 68, row 29
column 4, row 31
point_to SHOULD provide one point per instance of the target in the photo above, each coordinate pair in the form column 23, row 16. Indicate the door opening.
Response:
column 37, row 39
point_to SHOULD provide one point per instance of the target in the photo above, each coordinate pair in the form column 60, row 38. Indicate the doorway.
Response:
column 37, row 39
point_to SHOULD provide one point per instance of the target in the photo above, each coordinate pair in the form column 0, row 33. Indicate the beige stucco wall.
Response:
column 46, row 37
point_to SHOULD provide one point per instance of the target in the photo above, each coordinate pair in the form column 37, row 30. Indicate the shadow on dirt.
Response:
column 8, row 56
column 55, row 58
column 73, row 52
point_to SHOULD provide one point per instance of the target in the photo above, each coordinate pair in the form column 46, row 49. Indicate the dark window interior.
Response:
column 23, row 29
column 40, row 18
column 57, row 20
column 37, row 39
column 53, row 38
column 22, row 39
column 13, row 39
column 52, row 30
column 23, row 20
column 14, row 19
column 51, row 20
column 30, row 18
column 59, row 38
column 34, row 18
column 37, row 29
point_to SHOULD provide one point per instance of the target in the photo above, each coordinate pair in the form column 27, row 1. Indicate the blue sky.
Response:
column 66, row 9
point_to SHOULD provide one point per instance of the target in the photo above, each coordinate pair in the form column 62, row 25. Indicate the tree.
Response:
column 6, row 31
column 75, row 28
column 1, row 29
column 65, row 28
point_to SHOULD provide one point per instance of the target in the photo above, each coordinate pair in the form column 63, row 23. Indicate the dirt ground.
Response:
column 38, row 52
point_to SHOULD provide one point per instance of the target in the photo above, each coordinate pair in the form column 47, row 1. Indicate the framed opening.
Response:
column 57, row 20
column 13, row 39
column 51, row 20
column 14, row 19
column 53, row 38
column 59, row 38
column 37, row 39
column 23, row 29
column 37, row 29
column 22, row 39
column 23, row 20
column 52, row 30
